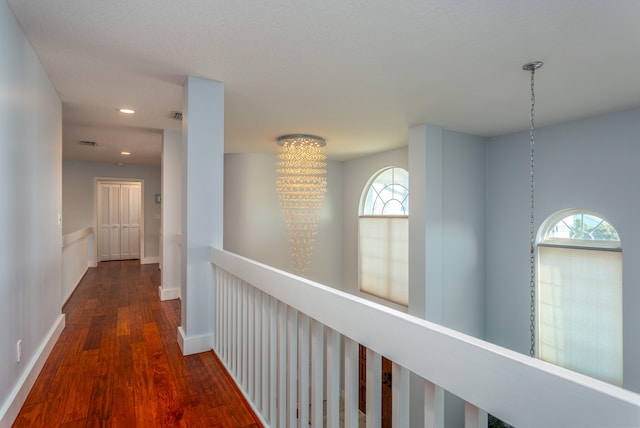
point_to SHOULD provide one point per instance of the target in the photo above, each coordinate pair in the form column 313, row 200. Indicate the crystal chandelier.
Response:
column 301, row 185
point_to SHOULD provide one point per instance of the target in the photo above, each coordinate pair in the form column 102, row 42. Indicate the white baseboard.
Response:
column 19, row 394
column 169, row 293
column 194, row 344
column 149, row 260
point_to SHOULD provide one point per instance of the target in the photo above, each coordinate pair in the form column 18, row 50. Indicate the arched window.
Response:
column 580, row 295
column 383, row 236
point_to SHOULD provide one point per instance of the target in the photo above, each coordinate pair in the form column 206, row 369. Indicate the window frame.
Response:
column 543, row 240
column 389, row 294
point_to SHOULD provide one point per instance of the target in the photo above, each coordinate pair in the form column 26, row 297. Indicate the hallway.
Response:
column 117, row 363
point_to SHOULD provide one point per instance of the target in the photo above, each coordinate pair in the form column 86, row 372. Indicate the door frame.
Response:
column 96, row 226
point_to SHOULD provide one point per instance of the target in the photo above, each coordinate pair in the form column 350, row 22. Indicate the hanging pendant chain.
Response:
column 532, row 282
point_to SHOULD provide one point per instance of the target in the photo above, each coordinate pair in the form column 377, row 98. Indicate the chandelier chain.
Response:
column 532, row 265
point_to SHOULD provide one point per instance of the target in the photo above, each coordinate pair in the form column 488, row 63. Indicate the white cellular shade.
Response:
column 580, row 310
column 384, row 257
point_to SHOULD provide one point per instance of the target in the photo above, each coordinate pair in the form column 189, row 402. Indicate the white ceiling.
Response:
column 357, row 72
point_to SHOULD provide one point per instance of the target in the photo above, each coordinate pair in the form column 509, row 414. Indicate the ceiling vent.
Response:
column 87, row 143
column 177, row 115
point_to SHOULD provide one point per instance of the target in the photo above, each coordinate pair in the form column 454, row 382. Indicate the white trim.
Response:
column 194, row 344
column 20, row 392
column 149, row 260
column 72, row 237
column 169, row 293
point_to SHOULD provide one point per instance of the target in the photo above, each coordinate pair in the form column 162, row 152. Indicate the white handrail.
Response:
column 72, row 237
column 520, row 390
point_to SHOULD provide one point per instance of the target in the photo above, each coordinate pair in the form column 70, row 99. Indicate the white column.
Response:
column 425, row 222
column 202, row 208
column 425, row 239
column 171, row 225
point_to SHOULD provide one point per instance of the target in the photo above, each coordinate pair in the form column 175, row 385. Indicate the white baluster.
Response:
column 228, row 311
column 400, row 396
column 244, row 344
column 317, row 373
column 282, row 364
column 251, row 311
column 265, row 356
column 234, row 327
column 292, row 387
column 333, row 378
column 433, row 405
column 350, row 383
column 303, row 372
column 474, row 417
column 374, row 389
column 257, row 398
column 273, row 360
column 217, row 313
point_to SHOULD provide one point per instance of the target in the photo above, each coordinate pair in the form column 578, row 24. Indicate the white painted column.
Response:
column 202, row 208
column 171, row 225
column 425, row 239
column 425, row 222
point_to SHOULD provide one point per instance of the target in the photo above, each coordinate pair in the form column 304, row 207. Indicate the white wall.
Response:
column 589, row 164
column 31, row 239
column 253, row 221
column 78, row 197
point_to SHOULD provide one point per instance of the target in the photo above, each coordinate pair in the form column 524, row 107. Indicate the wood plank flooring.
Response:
column 118, row 364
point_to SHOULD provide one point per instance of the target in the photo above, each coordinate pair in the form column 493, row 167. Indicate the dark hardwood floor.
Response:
column 118, row 364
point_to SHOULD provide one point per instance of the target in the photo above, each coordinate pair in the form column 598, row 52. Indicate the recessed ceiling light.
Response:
column 127, row 111
column 125, row 153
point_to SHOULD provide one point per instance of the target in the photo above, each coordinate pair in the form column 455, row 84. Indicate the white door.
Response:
column 130, row 221
column 119, row 210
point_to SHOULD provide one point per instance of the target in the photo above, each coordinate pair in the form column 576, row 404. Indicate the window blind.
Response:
column 580, row 310
column 384, row 257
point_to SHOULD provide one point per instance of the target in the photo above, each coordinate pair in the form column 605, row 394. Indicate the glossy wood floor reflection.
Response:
column 118, row 364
